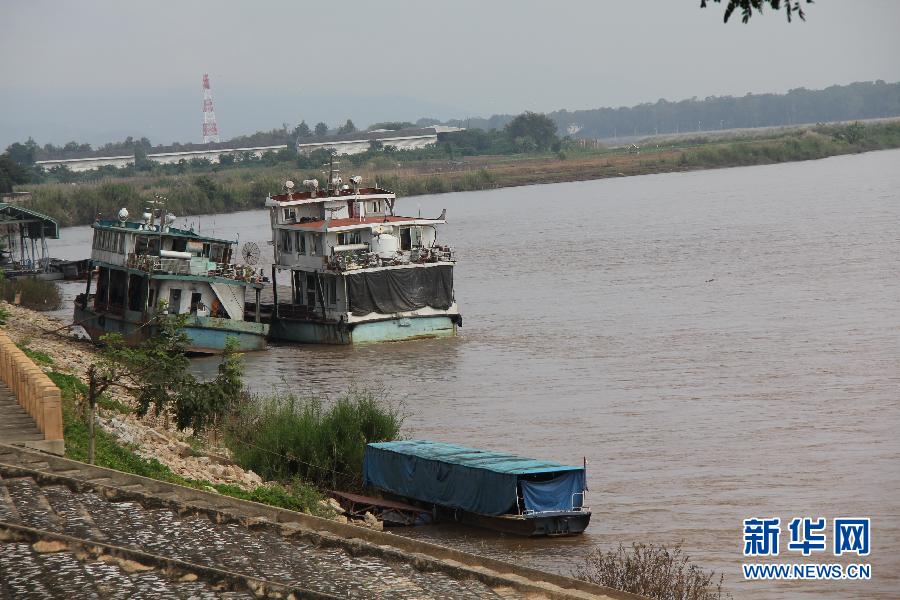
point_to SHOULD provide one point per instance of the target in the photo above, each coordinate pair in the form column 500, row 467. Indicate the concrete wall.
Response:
column 360, row 146
column 167, row 158
column 35, row 393
column 87, row 164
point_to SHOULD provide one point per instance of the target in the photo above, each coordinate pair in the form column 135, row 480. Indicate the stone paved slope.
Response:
column 97, row 513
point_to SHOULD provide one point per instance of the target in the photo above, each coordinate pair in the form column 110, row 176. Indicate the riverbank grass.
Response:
column 112, row 454
column 285, row 437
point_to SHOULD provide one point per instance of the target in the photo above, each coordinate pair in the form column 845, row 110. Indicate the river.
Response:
column 718, row 345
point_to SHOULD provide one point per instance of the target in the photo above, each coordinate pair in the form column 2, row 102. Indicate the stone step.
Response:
column 32, row 505
column 29, row 573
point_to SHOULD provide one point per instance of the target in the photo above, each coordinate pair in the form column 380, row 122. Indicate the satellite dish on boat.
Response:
column 250, row 252
column 123, row 214
column 289, row 185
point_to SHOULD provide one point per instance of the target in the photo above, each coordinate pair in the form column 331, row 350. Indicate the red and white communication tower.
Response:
column 210, row 129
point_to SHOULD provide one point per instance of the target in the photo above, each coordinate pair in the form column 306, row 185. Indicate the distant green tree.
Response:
column 301, row 130
column 375, row 146
column 532, row 131
column 321, row 129
column 347, row 127
column 23, row 154
column 11, row 173
column 748, row 6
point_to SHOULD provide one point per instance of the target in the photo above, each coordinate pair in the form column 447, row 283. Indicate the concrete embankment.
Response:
column 90, row 515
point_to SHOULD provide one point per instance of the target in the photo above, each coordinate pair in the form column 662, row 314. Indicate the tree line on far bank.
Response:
column 527, row 133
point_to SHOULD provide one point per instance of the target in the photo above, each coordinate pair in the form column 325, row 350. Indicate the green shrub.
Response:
column 284, row 437
column 36, row 294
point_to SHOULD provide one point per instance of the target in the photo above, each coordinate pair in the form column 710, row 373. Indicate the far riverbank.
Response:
column 215, row 190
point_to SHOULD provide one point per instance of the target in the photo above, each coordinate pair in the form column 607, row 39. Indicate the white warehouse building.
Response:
column 360, row 141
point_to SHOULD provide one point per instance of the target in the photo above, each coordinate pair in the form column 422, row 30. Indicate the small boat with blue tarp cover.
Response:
column 482, row 487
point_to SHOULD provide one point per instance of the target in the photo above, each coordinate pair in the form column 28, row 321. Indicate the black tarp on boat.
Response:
column 401, row 289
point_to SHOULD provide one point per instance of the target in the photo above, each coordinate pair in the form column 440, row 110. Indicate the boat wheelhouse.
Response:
column 147, row 271
column 358, row 272
column 488, row 489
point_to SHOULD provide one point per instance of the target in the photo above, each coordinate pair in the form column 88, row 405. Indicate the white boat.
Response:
column 358, row 271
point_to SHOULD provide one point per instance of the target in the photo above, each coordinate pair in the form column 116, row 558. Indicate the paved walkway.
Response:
column 69, row 529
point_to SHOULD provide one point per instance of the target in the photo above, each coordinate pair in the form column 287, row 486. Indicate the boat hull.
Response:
column 206, row 335
column 537, row 525
column 387, row 330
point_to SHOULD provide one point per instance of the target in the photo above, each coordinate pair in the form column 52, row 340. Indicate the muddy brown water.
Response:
column 719, row 345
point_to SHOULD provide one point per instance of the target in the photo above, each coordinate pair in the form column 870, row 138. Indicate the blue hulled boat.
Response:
column 147, row 268
column 480, row 487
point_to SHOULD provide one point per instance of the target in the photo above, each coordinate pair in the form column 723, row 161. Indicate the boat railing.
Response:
column 362, row 258
column 108, row 307
column 194, row 266
column 573, row 507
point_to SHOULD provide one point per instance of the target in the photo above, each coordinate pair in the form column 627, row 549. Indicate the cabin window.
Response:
column 175, row 301
column 145, row 244
column 350, row 237
column 331, row 290
column 196, row 302
column 290, row 214
column 405, row 243
column 110, row 241
column 118, row 282
column 296, row 288
column 317, row 244
column 102, row 288
column 416, row 234
column 179, row 245
column 151, row 299
column 311, row 290
column 376, row 206
column 301, row 243
column 136, row 287
column 286, row 241
column 216, row 253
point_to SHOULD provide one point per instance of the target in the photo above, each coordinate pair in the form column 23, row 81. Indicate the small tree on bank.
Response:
column 532, row 131
column 156, row 373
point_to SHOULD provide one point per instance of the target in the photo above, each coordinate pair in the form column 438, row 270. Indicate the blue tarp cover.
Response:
column 560, row 493
column 479, row 481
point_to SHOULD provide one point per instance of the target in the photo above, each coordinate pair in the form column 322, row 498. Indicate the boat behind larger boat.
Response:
column 148, row 271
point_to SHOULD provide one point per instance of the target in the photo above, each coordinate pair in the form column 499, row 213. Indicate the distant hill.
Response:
column 862, row 100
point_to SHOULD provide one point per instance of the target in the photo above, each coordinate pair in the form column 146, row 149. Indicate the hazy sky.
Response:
column 97, row 71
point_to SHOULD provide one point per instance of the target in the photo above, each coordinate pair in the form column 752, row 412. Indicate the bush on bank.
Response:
column 284, row 437
column 653, row 571
column 36, row 294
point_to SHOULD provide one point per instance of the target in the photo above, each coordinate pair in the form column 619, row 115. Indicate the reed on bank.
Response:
column 36, row 294
column 314, row 438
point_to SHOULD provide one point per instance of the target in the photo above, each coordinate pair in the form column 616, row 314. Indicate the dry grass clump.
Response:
column 653, row 571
